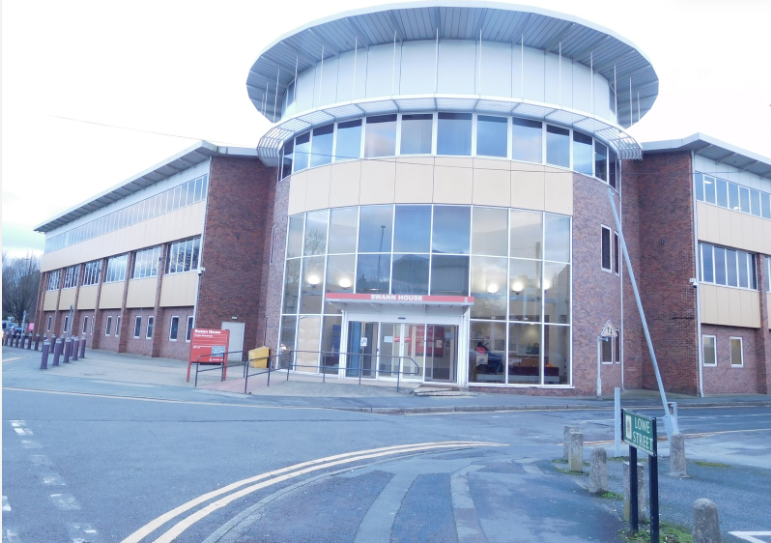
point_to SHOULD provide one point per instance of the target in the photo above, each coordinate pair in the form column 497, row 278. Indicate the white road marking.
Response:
column 11, row 535
column 53, row 479
column 6, row 505
column 81, row 532
column 320, row 463
column 65, row 502
column 23, row 431
column 29, row 444
column 11, row 359
column 18, row 423
column 532, row 470
column 750, row 536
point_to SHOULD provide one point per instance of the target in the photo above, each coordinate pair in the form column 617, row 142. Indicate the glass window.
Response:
column 744, row 270
column 84, row 330
column 558, row 146
column 556, row 293
column 150, row 325
column 487, row 349
column 755, row 202
column 295, row 236
column 709, row 189
column 709, row 353
column 557, row 238
column 302, row 151
column 454, row 134
column 527, row 140
column 416, row 134
column 525, row 290
column 449, row 275
column 616, row 251
column 117, row 326
column 410, row 274
column 292, row 285
column 173, row 328
column 330, row 344
column 526, row 229
column 189, row 332
column 375, row 226
column 600, row 160
column 287, row 156
column 311, row 288
column 731, row 270
column 489, row 231
column 412, row 229
column 287, row 338
column 492, row 136
column 137, row 326
column 737, row 352
column 722, row 193
column 720, row 275
column 348, row 145
column 607, row 350
column 524, row 363
column 183, row 255
column 556, row 354
column 733, row 196
column 108, row 326
column 451, row 230
column 315, row 233
column 744, row 199
column 380, row 136
column 372, row 273
column 342, row 230
column 582, row 153
column 606, row 249
column 488, row 287
column 765, row 205
column 340, row 275
column 707, row 265
column 322, row 145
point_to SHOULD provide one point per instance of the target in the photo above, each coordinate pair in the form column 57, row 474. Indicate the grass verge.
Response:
column 668, row 533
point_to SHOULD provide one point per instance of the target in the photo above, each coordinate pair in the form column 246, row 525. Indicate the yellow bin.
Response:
column 258, row 358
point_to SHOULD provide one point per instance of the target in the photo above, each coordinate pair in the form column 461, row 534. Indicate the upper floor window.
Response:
column 116, row 269
column 720, row 192
column 183, row 255
column 54, row 278
column 729, row 267
column 146, row 263
column 71, row 276
column 91, row 272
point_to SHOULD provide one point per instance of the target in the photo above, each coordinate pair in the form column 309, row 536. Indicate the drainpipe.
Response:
column 697, row 277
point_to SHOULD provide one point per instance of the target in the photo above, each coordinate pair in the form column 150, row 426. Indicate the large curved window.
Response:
column 515, row 263
column 456, row 134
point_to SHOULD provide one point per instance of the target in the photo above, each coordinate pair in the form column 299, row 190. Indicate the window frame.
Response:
column 606, row 341
column 150, row 328
column 189, row 331
column 108, row 326
column 731, row 340
column 137, row 326
column 714, row 350
column 117, row 326
column 171, row 328
column 84, row 329
column 49, row 323
column 603, row 228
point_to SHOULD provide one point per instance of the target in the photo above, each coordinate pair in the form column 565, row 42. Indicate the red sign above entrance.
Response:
column 418, row 299
column 208, row 346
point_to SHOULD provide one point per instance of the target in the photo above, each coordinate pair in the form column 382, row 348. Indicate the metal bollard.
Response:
column 75, row 348
column 57, row 351
column 67, row 350
column 37, row 341
column 29, row 342
column 83, row 347
column 44, row 357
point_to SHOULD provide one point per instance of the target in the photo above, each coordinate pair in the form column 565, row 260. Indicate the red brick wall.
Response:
column 179, row 349
column 234, row 252
column 141, row 345
column 667, row 262
column 727, row 379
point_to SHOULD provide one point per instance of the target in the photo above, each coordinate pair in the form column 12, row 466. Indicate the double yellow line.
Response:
column 231, row 492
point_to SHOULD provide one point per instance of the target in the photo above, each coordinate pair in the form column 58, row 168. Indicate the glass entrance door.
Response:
column 441, row 347
column 362, row 349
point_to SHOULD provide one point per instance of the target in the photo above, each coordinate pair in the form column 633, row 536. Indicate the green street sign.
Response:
column 638, row 431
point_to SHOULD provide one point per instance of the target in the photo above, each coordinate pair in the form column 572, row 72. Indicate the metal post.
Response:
column 44, row 357
column 653, row 487
column 83, row 347
column 599, row 367
column 57, row 350
column 617, row 420
column 634, row 524
column 670, row 427
column 67, row 350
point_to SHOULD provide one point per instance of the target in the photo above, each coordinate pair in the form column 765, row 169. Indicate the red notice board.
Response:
column 210, row 345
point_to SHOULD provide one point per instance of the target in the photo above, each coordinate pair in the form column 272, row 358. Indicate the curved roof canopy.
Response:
column 579, row 40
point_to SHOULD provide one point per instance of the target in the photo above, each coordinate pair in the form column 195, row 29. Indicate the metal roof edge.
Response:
column 689, row 142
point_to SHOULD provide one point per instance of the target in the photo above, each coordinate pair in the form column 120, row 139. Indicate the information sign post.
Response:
column 639, row 432
column 209, row 346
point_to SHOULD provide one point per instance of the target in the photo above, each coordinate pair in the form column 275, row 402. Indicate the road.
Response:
column 84, row 467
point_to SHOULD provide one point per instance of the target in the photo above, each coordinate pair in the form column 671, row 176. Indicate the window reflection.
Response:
column 316, row 233
column 556, row 293
column 312, row 287
column 557, row 146
column 322, row 145
column 524, row 360
column 416, row 134
column 302, row 151
column 380, row 139
column 488, row 287
column 489, row 231
column 526, row 229
column 348, row 140
column 410, row 274
column 449, row 275
column 492, row 136
column 524, row 290
column 451, row 229
column 557, row 242
column 342, row 230
column 340, row 276
column 582, row 153
column 372, row 273
column 412, row 229
column 526, row 140
column 454, row 134
column 556, row 354
column 487, row 352
column 375, row 229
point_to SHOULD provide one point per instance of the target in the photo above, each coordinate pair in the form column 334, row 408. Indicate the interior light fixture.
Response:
column 546, row 284
column 314, row 280
column 345, row 283
column 517, row 287
column 492, row 288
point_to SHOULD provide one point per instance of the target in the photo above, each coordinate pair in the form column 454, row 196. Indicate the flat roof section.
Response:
column 183, row 160
column 717, row 150
column 582, row 41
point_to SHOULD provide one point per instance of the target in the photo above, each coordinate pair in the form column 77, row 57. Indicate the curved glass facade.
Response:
column 515, row 263
column 451, row 134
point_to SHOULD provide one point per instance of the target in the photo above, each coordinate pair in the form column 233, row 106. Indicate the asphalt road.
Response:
column 83, row 467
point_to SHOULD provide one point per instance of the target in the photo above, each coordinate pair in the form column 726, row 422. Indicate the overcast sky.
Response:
column 94, row 92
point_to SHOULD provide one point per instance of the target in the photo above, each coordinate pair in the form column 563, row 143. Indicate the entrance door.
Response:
column 401, row 350
column 441, row 352
column 362, row 349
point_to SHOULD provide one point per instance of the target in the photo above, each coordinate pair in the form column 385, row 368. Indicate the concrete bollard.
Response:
column 566, row 440
column 44, row 356
column 37, row 341
column 83, row 347
column 57, row 351
column 706, row 528
column 576, row 460
column 677, row 456
column 598, row 479
column 67, row 350
column 642, row 502
column 29, row 342
column 75, row 348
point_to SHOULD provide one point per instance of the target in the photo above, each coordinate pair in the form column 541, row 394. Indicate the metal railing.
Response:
column 287, row 362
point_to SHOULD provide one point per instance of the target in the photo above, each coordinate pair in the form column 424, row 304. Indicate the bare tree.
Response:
column 21, row 279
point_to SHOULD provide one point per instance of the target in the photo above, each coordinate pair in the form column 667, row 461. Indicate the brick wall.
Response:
column 667, row 262
column 238, row 219
column 179, row 349
column 725, row 378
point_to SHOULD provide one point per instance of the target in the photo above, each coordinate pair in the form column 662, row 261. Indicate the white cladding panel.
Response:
column 418, row 74
column 731, row 173
column 493, row 70
column 457, row 67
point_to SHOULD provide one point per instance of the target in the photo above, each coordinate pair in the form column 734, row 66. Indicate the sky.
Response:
column 94, row 92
